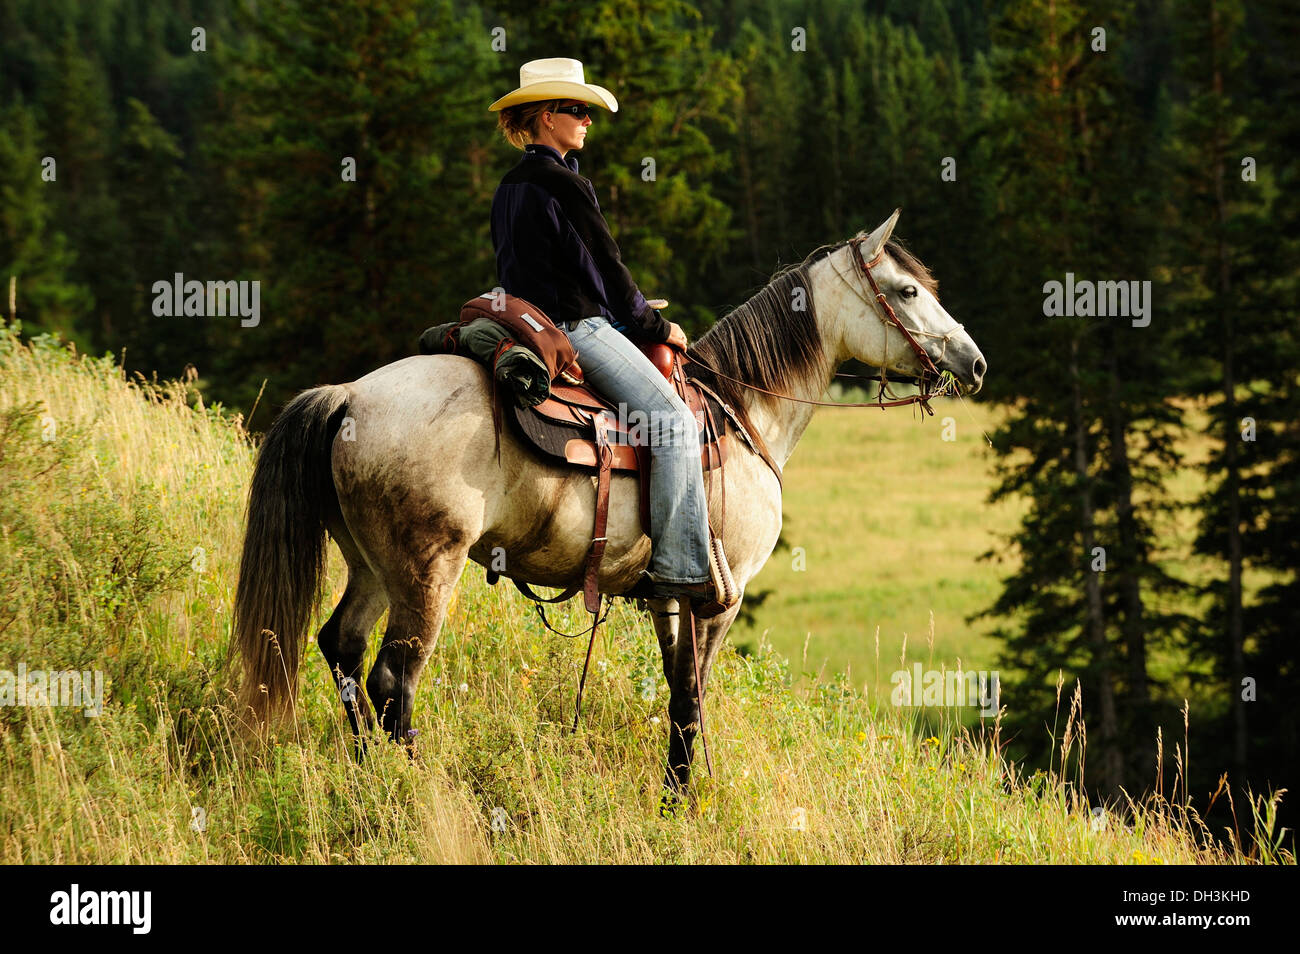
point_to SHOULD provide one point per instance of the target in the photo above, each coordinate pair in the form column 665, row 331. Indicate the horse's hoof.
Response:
column 408, row 742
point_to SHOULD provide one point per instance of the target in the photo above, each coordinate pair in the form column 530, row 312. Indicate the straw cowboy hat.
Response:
column 555, row 78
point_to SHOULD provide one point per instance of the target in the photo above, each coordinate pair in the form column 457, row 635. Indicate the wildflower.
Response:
column 798, row 820
column 862, row 736
column 654, row 720
column 463, row 687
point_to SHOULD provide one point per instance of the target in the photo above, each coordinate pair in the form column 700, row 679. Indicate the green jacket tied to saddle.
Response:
column 521, row 348
column 482, row 339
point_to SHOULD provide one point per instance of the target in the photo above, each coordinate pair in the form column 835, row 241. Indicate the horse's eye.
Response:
column 909, row 291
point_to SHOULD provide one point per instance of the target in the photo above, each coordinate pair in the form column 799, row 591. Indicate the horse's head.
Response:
column 869, row 334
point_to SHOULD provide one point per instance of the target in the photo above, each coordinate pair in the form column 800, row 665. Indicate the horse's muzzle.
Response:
column 967, row 366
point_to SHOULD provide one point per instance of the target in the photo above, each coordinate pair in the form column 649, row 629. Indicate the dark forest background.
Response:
column 1173, row 155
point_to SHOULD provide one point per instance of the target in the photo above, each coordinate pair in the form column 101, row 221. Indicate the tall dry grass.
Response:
column 120, row 526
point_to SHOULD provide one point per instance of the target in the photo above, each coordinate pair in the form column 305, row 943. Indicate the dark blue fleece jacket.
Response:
column 554, row 249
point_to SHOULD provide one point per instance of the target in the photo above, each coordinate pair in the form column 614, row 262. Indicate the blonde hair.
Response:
column 519, row 123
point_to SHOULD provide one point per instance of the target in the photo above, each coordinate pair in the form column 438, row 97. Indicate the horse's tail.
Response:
column 283, row 564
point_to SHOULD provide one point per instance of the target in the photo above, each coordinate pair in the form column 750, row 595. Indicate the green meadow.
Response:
column 893, row 520
column 885, row 521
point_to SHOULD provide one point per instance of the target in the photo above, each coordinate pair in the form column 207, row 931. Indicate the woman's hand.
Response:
column 676, row 337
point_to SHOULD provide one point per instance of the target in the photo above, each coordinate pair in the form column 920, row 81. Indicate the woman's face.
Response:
column 569, row 131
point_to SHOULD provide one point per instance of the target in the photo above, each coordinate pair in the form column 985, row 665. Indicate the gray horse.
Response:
column 400, row 469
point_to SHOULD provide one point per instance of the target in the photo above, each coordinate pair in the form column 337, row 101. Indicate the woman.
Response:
column 554, row 249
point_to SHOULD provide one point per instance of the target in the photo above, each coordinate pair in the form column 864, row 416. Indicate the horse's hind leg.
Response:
column 419, row 607
column 343, row 638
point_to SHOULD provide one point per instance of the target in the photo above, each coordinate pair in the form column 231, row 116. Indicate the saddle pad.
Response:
column 552, row 437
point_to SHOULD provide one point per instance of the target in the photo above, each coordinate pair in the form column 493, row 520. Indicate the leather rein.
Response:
column 885, row 312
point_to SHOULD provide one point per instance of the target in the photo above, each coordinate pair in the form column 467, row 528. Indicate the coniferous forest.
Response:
column 1152, row 141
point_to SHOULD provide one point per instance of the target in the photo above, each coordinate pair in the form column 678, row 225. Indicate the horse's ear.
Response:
column 877, row 239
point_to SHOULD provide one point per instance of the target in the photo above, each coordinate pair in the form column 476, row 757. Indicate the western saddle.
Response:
column 579, row 427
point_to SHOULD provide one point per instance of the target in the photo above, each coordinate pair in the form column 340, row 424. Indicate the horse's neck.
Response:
column 781, row 423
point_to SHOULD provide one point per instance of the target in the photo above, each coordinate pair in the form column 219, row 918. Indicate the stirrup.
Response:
column 724, row 584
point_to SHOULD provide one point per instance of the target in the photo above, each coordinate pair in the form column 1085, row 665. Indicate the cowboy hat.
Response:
column 555, row 78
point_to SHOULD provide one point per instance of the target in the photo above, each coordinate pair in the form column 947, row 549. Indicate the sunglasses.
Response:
column 581, row 112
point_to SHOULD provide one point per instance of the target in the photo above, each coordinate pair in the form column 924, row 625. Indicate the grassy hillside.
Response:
column 119, row 532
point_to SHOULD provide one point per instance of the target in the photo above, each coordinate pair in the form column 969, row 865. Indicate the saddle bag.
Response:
column 515, row 341
column 531, row 329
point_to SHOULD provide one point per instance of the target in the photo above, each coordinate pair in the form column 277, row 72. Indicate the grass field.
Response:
column 891, row 519
column 120, row 527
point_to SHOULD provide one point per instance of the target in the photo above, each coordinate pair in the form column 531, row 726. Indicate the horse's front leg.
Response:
column 667, row 619
column 683, row 703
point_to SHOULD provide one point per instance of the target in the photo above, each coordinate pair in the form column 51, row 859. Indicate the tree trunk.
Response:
column 1232, row 477
column 1129, row 574
column 751, row 211
column 1111, row 772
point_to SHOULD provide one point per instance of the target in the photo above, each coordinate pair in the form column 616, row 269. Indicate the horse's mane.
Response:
column 767, row 342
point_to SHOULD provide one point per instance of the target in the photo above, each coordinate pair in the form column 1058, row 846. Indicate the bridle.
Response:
column 930, row 374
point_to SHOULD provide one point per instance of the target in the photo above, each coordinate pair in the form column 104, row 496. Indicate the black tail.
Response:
column 283, row 563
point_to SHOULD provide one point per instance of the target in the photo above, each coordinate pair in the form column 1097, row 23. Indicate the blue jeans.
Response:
column 679, row 528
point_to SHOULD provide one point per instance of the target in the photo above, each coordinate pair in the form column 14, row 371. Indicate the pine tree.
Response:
column 1093, row 432
column 1270, row 318
column 34, row 254
column 357, row 156
column 149, row 193
column 78, row 127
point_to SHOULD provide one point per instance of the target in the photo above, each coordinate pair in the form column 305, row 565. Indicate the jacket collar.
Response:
column 542, row 151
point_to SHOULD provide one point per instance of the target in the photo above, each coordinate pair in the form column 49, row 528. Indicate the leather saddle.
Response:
column 563, row 426
column 579, row 427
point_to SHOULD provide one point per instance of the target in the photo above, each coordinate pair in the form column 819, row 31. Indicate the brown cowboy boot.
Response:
column 708, row 598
